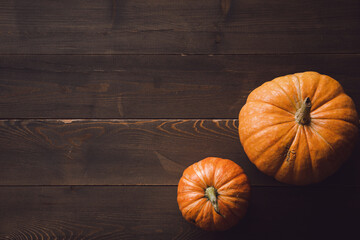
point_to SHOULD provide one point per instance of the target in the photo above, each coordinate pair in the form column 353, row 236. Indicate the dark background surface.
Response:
column 103, row 104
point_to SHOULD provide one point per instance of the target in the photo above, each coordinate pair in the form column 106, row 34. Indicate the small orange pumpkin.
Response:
column 213, row 194
column 298, row 128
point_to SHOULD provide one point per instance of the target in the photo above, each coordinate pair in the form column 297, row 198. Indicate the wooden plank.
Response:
column 152, row 213
column 162, row 26
column 118, row 152
column 156, row 86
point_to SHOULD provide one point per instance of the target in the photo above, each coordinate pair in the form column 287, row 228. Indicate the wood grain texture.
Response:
column 151, row 86
column 119, row 152
column 152, row 213
column 174, row 27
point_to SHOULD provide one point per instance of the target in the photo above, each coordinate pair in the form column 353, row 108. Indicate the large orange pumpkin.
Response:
column 213, row 194
column 298, row 128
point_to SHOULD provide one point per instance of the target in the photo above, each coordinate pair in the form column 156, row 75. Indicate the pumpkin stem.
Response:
column 302, row 115
column 211, row 194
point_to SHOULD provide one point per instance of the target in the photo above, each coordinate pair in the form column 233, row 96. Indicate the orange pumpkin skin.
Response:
column 294, row 151
column 233, row 192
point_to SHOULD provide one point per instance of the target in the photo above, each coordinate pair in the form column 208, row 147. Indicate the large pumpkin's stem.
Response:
column 211, row 194
column 302, row 115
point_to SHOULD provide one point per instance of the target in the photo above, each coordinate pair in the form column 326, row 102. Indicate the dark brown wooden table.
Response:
column 103, row 104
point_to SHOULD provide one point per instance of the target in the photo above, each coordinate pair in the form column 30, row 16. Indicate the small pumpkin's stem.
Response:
column 211, row 194
column 302, row 115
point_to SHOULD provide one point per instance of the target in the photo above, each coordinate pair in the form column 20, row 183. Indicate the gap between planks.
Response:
column 284, row 186
column 70, row 120
column 183, row 54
